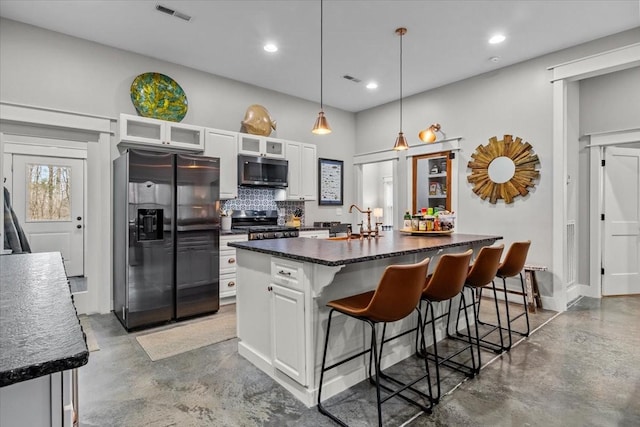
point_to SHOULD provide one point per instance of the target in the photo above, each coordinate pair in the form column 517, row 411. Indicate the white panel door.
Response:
column 287, row 311
column 621, row 249
column 48, row 198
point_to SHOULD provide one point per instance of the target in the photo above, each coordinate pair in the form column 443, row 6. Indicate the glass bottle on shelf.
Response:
column 407, row 221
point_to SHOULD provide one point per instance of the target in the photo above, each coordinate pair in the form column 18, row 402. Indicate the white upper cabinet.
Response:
column 256, row 145
column 224, row 144
column 303, row 171
column 144, row 131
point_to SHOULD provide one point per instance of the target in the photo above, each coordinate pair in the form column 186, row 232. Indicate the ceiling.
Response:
column 446, row 41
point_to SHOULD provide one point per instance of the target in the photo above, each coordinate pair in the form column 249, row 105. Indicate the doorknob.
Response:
column 79, row 218
column 78, row 226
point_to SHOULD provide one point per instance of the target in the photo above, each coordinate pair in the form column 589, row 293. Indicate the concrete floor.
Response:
column 582, row 368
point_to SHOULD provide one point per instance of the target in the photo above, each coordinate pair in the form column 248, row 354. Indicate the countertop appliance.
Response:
column 261, row 225
column 166, row 237
column 262, row 171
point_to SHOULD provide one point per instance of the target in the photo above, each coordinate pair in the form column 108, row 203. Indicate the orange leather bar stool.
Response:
column 512, row 266
column 482, row 273
column 397, row 296
column 446, row 282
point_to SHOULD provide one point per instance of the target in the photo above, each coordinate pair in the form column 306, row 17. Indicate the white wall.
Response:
column 47, row 69
column 610, row 102
column 607, row 103
column 515, row 100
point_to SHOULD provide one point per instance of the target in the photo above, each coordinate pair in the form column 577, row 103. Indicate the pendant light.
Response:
column 322, row 125
column 429, row 134
column 401, row 141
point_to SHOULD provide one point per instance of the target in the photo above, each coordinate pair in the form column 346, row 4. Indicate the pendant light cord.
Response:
column 321, row 51
column 401, row 35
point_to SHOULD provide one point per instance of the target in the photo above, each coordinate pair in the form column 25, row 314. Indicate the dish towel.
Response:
column 14, row 237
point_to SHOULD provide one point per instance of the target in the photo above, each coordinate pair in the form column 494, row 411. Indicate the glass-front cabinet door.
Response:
column 432, row 181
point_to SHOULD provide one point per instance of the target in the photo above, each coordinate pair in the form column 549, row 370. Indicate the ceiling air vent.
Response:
column 351, row 78
column 172, row 12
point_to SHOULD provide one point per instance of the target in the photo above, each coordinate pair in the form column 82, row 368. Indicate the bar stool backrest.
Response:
column 485, row 267
column 515, row 259
column 398, row 292
column 448, row 278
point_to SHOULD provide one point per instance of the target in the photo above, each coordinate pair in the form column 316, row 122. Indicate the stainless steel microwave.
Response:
column 262, row 171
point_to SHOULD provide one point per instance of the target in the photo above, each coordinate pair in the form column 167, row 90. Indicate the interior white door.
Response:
column 621, row 248
column 48, row 199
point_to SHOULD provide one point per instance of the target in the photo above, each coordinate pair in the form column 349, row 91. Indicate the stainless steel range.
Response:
column 261, row 225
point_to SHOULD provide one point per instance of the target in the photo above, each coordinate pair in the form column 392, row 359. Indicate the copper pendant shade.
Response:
column 321, row 127
column 429, row 134
column 401, row 141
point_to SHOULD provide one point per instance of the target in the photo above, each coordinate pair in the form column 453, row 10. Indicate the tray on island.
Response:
column 427, row 233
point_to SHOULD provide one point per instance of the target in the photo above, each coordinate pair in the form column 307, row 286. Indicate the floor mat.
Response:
column 180, row 338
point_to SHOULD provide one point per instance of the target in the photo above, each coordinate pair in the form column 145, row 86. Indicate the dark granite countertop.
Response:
column 40, row 333
column 340, row 252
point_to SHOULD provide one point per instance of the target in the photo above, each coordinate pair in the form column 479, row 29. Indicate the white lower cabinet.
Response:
column 228, row 264
column 42, row 401
column 288, row 337
column 287, row 315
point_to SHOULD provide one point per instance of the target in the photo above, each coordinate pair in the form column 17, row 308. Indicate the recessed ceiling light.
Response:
column 494, row 59
column 372, row 85
column 270, row 47
column 498, row 38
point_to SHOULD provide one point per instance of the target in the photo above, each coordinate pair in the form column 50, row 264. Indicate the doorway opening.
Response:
column 48, row 197
column 377, row 190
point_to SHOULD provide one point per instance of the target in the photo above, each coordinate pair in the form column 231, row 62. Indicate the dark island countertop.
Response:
column 40, row 333
column 341, row 252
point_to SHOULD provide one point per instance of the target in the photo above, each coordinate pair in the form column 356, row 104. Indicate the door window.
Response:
column 48, row 194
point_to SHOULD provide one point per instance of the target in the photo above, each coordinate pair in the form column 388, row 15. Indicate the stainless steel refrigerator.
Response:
column 166, row 237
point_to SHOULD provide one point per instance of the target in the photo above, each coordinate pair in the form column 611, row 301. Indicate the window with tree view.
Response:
column 48, row 194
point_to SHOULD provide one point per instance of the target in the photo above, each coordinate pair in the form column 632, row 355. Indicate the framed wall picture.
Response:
column 330, row 182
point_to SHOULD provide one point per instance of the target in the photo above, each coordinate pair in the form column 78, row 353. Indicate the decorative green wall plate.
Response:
column 158, row 96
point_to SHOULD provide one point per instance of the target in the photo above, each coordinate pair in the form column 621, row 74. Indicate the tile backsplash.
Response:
column 262, row 199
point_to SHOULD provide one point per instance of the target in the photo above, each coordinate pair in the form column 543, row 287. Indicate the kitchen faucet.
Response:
column 369, row 230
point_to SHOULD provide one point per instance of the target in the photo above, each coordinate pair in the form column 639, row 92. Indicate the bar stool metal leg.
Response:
column 407, row 386
column 525, row 305
column 513, row 265
column 396, row 296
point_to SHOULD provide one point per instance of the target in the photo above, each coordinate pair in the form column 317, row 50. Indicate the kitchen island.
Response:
column 283, row 288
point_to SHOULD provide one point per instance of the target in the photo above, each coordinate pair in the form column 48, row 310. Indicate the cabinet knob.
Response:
column 231, row 260
column 78, row 226
column 269, row 288
column 231, row 284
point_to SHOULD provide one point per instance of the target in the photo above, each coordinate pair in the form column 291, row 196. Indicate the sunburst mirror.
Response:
column 503, row 169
